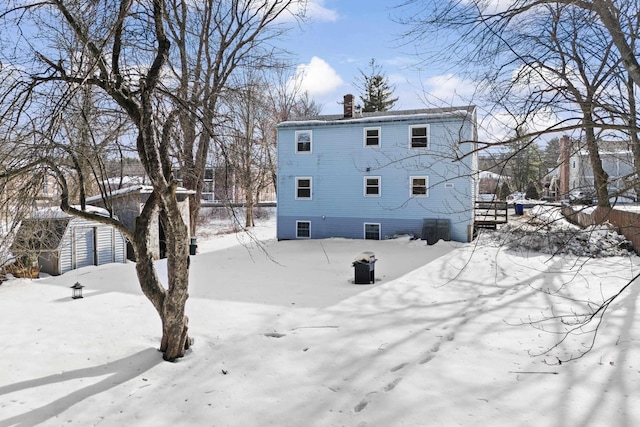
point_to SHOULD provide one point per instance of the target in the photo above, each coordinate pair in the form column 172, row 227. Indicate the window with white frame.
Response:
column 419, row 186
column 303, row 229
column 303, row 141
column 372, row 186
column 419, row 136
column 372, row 137
column 371, row 231
column 303, row 188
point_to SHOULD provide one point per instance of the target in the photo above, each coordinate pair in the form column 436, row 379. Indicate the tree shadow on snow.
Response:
column 115, row 373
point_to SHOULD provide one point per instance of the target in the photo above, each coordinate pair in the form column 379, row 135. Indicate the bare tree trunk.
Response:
column 249, row 206
column 600, row 177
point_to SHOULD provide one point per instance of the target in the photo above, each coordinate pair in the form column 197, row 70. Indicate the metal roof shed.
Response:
column 62, row 242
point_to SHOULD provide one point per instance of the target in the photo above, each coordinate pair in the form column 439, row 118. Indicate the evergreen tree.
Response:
column 532, row 191
column 503, row 191
column 524, row 161
column 377, row 91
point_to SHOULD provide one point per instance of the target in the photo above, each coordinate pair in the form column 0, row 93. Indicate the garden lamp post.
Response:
column 76, row 290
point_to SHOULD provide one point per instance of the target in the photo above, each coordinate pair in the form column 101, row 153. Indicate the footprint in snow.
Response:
column 427, row 359
column 392, row 384
column 397, row 368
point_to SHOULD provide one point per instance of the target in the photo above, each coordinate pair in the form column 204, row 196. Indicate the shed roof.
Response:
column 133, row 189
column 40, row 234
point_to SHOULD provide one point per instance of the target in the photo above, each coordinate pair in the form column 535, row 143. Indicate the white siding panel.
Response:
column 66, row 252
column 104, row 245
column 84, row 246
column 120, row 247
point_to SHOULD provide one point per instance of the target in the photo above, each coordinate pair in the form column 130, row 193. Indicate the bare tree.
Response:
column 122, row 54
column 539, row 59
column 214, row 39
column 576, row 59
column 244, row 142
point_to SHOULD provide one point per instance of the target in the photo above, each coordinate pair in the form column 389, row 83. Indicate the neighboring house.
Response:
column 617, row 162
column 222, row 186
column 61, row 242
column 489, row 182
column 127, row 204
column 376, row 175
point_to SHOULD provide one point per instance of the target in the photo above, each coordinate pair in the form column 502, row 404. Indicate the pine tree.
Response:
column 503, row 191
column 377, row 91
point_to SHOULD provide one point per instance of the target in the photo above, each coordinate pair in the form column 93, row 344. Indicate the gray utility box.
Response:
column 435, row 229
column 364, row 266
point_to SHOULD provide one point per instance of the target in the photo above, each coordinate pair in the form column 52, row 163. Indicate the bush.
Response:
column 532, row 192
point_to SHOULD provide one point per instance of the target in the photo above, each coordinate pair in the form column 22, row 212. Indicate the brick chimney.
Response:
column 348, row 106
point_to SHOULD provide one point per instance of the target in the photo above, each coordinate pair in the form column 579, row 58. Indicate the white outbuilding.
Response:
column 61, row 242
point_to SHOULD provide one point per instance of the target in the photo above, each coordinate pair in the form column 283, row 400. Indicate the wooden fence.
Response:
column 626, row 223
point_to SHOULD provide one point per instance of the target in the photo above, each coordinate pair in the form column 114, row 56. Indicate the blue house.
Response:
column 376, row 175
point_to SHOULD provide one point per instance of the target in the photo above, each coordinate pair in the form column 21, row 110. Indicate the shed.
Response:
column 62, row 242
column 127, row 203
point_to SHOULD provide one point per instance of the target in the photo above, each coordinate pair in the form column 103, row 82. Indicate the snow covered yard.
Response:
column 443, row 338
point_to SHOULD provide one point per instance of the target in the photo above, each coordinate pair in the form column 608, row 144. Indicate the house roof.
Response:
column 45, row 228
column 383, row 116
column 56, row 212
column 140, row 189
column 489, row 174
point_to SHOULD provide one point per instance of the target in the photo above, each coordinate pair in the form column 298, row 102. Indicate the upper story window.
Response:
column 372, row 186
column 303, row 188
column 303, row 141
column 372, row 137
column 419, row 186
column 419, row 136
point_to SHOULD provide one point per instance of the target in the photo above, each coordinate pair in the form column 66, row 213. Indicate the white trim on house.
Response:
column 416, row 139
column 301, row 144
column 366, row 185
column 419, row 186
column 366, row 138
column 298, row 223
column 364, row 229
column 298, row 188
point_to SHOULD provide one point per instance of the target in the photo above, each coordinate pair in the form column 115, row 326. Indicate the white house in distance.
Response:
column 575, row 172
column 376, row 175
column 617, row 161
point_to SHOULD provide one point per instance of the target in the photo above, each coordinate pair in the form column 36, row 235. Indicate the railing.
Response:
column 490, row 214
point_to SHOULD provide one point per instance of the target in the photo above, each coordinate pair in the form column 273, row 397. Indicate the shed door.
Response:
column 84, row 247
column 104, row 247
column 120, row 247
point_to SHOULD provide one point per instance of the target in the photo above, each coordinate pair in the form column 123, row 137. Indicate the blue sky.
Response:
column 343, row 36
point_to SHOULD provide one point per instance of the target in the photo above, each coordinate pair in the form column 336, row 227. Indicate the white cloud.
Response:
column 491, row 6
column 447, row 89
column 316, row 11
column 317, row 77
column 500, row 126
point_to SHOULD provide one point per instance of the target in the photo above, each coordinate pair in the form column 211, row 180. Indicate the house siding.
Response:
column 339, row 163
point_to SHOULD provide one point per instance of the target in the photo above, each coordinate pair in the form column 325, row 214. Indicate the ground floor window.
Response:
column 303, row 229
column 371, row 231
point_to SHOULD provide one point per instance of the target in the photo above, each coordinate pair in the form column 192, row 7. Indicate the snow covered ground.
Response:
column 450, row 334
